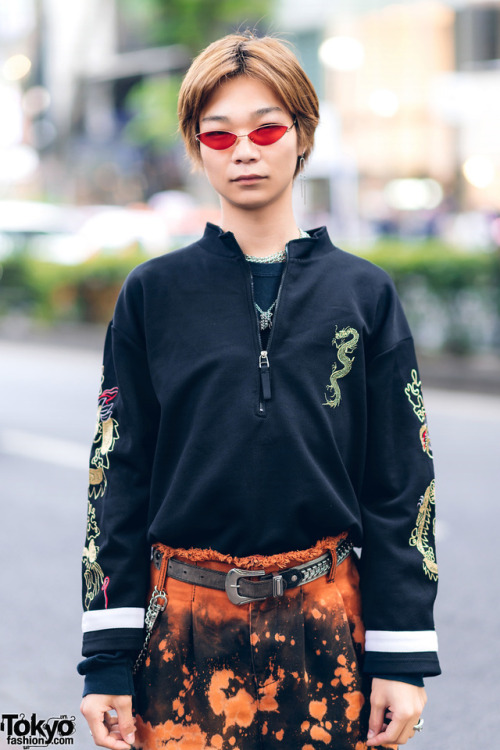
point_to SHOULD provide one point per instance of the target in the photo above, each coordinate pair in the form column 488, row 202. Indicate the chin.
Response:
column 253, row 201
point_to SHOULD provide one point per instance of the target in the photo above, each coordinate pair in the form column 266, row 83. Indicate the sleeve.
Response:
column 414, row 679
column 398, row 562
column 108, row 673
column 116, row 555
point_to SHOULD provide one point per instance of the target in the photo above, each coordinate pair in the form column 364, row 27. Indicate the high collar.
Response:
column 224, row 243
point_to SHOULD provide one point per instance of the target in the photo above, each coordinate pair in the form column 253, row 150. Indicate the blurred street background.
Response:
column 93, row 180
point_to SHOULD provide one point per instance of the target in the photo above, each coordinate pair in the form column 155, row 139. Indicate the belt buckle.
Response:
column 232, row 585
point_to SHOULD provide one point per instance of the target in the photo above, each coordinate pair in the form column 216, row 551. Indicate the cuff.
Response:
column 107, row 674
column 127, row 639
column 424, row 664
column 410, row 679
column 401, row 652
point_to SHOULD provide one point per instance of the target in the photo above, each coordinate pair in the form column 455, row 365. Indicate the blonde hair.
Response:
column 266, row 59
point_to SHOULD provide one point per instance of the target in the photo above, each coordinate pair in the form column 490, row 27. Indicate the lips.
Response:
column 249, row 178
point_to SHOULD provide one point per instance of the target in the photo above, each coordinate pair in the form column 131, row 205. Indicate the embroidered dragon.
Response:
column 425, row 526
column 93, row 574
column 346, row 341
column 413, row 393
column 106, row 435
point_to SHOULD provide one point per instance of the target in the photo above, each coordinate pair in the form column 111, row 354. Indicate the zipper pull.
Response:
column 265, row 376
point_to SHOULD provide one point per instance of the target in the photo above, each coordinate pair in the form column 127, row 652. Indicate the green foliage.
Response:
column 445, row 269
column 154, row 104
column 193, row 23
column 51, row 291
column 456, row 292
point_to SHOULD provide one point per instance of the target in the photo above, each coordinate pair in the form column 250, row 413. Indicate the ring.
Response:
column 419, row 725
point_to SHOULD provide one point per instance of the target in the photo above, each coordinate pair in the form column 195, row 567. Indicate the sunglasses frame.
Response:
column 246, row 135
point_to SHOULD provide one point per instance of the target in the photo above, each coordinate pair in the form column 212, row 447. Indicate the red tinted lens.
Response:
column 267, row 134
column 218, row 139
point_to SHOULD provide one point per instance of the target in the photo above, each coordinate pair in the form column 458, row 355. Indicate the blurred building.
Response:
column 469, row 100
column 409, row 103
column 80, row 63
column 411, row 96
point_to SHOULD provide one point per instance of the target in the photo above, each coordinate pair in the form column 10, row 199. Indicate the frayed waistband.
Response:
column 281, row 560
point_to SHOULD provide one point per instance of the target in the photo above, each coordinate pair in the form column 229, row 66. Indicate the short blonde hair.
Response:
column 267, row 59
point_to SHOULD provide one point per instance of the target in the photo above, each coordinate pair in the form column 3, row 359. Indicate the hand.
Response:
column 402, row 704
column 115, row 732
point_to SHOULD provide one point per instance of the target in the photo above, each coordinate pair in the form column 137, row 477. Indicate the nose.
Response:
column 244, row 150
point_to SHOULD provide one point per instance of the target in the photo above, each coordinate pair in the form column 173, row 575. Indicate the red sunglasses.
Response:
column 263, row 136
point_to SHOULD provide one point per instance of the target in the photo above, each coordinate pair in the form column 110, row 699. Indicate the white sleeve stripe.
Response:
column 401, row 641
column 105, row 619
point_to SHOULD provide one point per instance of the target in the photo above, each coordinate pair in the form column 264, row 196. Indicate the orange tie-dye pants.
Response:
column 278, row 674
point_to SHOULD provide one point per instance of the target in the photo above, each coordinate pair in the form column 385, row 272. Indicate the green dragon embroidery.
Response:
column 345, row 348
column 420, row 535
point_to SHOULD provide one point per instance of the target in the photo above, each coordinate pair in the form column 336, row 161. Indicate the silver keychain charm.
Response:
column 157, row 604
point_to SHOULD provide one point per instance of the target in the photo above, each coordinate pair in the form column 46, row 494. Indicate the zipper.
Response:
column 263, row 363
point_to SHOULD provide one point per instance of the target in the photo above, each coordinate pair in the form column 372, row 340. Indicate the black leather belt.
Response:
column 240, row 585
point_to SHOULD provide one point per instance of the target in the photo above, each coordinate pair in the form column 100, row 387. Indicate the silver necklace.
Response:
column 278, row 257
column 266, row 316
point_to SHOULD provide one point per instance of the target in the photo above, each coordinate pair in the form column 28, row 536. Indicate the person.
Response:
column 260, row 415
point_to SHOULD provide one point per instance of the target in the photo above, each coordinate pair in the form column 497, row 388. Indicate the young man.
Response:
column 260, row 414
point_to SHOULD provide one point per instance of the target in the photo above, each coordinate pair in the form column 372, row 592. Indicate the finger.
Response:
column 408, row 732
column 389, row 733
column 126, row 721
column 103, row 738
column 110, row 719
column 397, row 732
column 376, row 721
column 101, row 734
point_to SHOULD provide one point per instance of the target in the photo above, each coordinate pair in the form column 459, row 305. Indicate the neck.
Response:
column 260, row 232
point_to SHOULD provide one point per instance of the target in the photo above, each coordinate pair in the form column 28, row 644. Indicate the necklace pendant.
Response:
column 266, row 320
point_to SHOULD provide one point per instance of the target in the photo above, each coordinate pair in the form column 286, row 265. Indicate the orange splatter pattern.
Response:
column 235, row 703
column 275, row 674
column 317, row 709
column 356, row 701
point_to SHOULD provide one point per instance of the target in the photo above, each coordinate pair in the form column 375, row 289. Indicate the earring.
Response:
column 302, row 178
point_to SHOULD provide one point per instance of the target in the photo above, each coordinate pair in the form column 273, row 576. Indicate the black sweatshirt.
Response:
column 202, row 441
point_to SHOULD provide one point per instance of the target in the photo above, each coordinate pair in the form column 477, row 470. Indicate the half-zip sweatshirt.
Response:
column 205, row 440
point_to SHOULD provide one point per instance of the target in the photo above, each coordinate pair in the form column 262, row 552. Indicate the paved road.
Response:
column 47, row 411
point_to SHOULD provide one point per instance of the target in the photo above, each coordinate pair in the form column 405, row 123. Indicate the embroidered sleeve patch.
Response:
column 413, row 392
column 423, row 534
column 346, row 342
column 93, row 575
column 106, row 435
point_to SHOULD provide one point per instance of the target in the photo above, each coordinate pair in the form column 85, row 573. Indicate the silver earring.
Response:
column 302, row 178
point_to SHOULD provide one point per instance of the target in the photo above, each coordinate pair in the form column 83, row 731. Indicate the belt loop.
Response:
column 167, row 553
column 333, row 567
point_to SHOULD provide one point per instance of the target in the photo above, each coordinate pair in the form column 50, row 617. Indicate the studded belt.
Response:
column 241, row 585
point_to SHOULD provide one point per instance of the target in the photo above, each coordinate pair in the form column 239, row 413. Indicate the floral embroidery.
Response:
column 93, row 574
column 425, row 528
column 106, row 434
column 345, row 346
column 413, row 392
